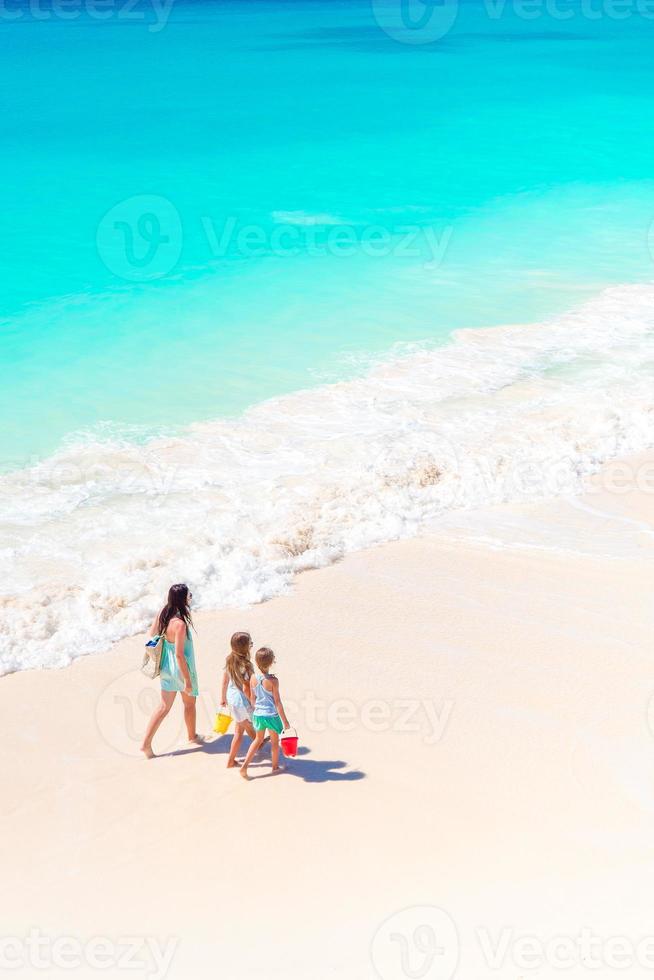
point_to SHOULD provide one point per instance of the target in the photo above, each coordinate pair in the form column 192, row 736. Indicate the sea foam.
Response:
column 92, row 536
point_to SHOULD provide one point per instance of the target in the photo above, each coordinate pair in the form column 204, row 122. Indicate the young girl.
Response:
column 236, row 691
column 269, row 714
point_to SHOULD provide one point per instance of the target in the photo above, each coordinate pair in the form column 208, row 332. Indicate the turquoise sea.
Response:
column 237, row 240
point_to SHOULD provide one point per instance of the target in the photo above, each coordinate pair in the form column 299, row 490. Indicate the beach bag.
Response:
column 151, row 665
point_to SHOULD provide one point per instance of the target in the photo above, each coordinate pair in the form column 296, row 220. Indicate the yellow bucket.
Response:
column 222, row 723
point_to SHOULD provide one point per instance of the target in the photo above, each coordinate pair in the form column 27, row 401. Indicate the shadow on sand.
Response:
column 309, row 770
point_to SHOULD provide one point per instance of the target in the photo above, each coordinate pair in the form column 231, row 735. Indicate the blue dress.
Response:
column 171, row 676
column 239, row 703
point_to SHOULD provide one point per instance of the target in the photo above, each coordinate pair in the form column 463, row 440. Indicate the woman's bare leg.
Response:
column 158, row 715
column 190, row 717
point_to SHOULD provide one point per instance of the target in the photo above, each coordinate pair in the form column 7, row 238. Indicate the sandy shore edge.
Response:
column 474, row 713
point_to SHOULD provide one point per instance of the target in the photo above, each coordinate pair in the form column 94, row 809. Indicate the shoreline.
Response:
column 238, row 507
column 628, row 478
column 476, row 735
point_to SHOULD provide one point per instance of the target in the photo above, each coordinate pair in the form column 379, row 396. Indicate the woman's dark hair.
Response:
column 176, row 606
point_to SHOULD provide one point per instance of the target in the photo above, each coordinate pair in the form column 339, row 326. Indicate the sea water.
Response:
column 281, row 280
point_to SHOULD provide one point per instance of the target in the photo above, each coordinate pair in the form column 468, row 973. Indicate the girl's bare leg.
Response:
column 236, row 743
column 249, row 730
column 256, row 745
column 158, row 715
column 274, row 751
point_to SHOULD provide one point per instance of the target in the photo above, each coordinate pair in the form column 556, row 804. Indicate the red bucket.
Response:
column 289, row 742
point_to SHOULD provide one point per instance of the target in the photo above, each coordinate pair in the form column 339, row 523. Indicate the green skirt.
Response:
column 273, row 722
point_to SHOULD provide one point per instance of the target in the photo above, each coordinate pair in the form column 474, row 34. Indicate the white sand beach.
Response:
column 473, row 797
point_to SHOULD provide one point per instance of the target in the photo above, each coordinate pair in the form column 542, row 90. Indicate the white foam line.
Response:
column 580, row 504
column 93, row 535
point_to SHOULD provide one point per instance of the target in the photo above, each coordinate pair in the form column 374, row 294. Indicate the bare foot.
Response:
column 196, row 740
column 244, row 773
column 233, row 764
column 278, row 769
column 147, row 751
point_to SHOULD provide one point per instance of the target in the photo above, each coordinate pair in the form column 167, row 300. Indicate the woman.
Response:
column 177, row 664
